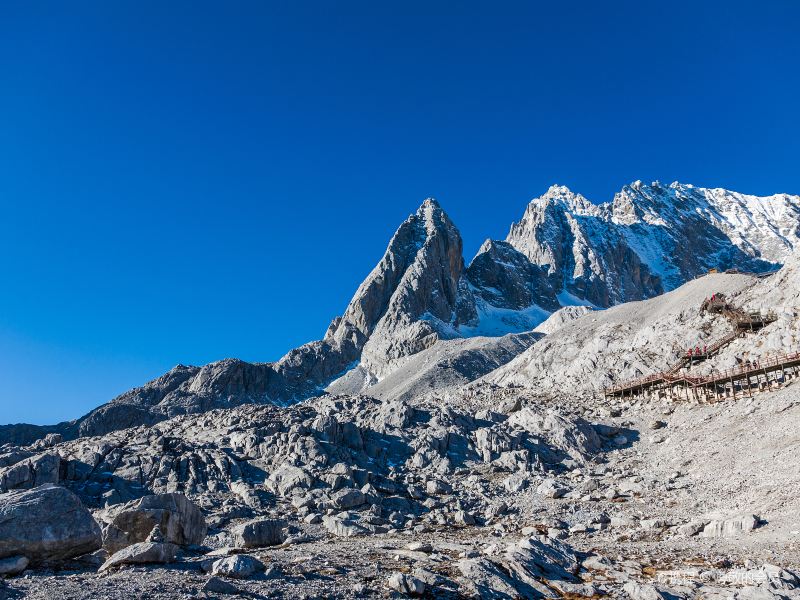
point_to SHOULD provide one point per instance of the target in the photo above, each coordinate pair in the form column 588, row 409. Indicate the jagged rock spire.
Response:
column 408, row 300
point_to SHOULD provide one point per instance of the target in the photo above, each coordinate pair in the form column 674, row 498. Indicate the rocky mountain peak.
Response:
column 633, row 247
column 561, row 195
column 417, row 274
column 429, row 205
column 418, row 301
column 641, row 202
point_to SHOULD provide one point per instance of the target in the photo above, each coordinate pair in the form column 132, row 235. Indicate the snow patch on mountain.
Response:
column 495, row 321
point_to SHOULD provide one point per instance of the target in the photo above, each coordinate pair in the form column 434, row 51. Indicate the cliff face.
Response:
column 585, row 256
column 408, row 302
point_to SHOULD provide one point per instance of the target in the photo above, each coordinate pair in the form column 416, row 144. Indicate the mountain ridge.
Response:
column 564, row 251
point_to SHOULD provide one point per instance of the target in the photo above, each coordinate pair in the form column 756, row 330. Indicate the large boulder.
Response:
column 521, row 572
column 48, row 441
column 342, row 527
column 731, row 527
column 543, row 558
column 46, row 524
column 481, row 578
column 551, row 488
column 240, row 566
column 141, row 554
column 260, row 533
column 35, row 471
column 179, row 520
column 406, row 584
column 289, row 479
column 215, row 585
column 348, row 498
column 637, row 591
column 11, row 456
column 575, row 437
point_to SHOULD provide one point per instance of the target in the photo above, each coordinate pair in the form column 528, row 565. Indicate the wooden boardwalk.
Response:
column 743, row 380
column 672, row 382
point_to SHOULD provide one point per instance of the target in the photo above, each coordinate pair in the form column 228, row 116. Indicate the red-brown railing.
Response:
column 769, row 364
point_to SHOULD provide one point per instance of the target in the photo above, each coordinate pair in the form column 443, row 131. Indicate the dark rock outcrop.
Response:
column 504, row 277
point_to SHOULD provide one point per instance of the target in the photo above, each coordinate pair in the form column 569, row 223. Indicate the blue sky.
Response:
column 186, row 181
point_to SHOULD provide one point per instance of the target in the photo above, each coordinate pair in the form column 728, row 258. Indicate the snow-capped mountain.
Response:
column 586, row 257
column 405, row 321
column 651, row 238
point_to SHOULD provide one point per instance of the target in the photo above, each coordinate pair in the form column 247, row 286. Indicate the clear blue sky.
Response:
column 188, row 181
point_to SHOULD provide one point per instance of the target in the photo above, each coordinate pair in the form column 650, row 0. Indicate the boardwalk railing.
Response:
column 735, row 375
column 770, row 364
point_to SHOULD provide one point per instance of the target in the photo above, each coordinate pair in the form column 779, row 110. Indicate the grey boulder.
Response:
column 542, row 558
column 636, row 591
column 288, row 479
column 348, row 498
column 462, row 518
column 260, row 533
column 551, row 488
column 179, row 520
column 406, row 584
column 142, row 554
column 730, row 527
column 30, row 473
column 215, row 585
column 240, row 566
column 342, row 527
column 520, row 571
column 481, row 578
column 47, row 523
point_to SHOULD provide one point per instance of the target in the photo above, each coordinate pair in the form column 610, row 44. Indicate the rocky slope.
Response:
column 622, row 342
column 447, row 365
column 642, row 338
column 452, row 496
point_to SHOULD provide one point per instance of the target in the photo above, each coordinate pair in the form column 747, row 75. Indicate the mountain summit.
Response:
column 408, row 300
column 651, row 238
